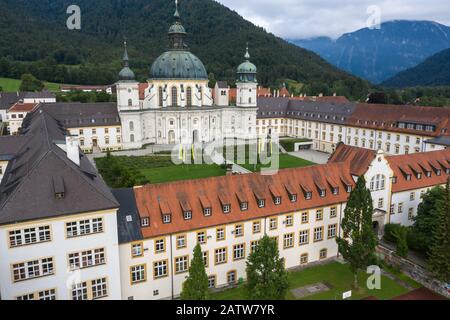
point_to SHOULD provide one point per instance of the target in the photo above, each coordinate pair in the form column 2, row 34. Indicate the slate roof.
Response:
column 75, row 115
column 9, row 145
column 27, row 191
column 222, row 84
column 441, row 141
column 128, row 220
column 8, row 99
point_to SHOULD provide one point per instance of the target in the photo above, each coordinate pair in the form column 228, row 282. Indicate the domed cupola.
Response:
column 178, row 63
column 247, row 70
column 126, row 74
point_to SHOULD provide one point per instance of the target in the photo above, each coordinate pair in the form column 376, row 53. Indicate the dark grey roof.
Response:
column 9, row 145
column 27, row 191
column 128, row 219
column 7, row 99
column 442, row 141
column 222, row 84
column 272, row 107
column 74, row 115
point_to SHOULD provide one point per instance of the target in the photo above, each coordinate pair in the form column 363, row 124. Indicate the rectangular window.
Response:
column 212, row 281
column 201, row 237
column 181, row 241
column 138, row 273
column 318, row 234
column 333, row 212
column 289, row 220
column 303, row 237
column 47, row 294
column 319, row 215
column 304, row 259
column 273, row 223
column 231, row 277
column 380, row 203
column 84, row 227
column 181, row 264
column 160, row 245
column 288, row 241
column 253, row 246
column 137, row 250
column 21, row 237
column 32, row 269
column 411, row 214
column 332, row 231
column 400, row 207
column 239, row 252
column 160, row 269
column 256, row 227
column 323, row 254
column 220, row 256
column 99, row 288
column 79, row 291
column 220, row 234
column 206, row 258
column 239, row 230
column 305, row 217
column 412, row 196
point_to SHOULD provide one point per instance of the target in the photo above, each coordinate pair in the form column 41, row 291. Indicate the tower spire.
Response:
column 126, row 60
column 247, row 54
column 177, row 14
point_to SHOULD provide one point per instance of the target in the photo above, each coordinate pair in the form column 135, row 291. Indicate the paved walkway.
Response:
column 311, row 155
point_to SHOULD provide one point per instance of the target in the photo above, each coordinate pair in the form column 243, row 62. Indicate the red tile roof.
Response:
column 358, row 159
column 264, row 92
column 23, row 107
column 142, row 87
column 152, row 200
column 284, row 92
column 384, row 116
column 411, row 164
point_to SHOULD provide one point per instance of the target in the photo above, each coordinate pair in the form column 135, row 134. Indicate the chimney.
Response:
column 334, row 94
column 321, row 95
column 73, row 149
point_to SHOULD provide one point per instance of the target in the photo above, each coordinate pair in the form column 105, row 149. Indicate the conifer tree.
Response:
column 358, row 243
column 439, row 257
column 196, row 285
column 266, row 276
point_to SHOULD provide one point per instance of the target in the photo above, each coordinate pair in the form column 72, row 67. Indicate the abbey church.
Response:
column 178, row 106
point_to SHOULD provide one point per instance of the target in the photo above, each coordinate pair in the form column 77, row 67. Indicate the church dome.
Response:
column 126, row 74
column 247, row 67
column 178, row 65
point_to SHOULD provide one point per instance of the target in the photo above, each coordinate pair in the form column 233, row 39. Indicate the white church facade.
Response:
column 178, row 105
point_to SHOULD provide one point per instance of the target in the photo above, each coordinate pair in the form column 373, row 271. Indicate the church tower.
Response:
column 246, row 83
column 127, row 87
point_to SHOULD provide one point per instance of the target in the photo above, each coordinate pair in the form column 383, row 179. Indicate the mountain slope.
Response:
column 377, row 55
column 435, row 71
column 34, row 37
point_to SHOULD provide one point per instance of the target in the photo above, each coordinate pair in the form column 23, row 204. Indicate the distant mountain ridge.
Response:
column 377, row 55
column 434, row 71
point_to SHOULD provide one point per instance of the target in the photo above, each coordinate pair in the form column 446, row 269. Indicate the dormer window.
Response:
column 226, row 208
column 293, row 197
column 145, row 222
column 308, row 195
column 335, row 191
column 277, row 200
column 428, row 173
column 244, row 206
column 261, row 203
column 323, row 193
column 207, row 212
column 187, row 215
column 438, row 172
column 349, row 188
column 167, row 218
column 408, row 177
column 394, row 179
column 419, row 175
column 58, row 195
column 447, row 171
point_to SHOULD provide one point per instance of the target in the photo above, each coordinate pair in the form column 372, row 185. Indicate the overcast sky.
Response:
column 298, row 19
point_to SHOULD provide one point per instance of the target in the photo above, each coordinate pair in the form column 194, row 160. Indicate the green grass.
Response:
column 13, row 85
column 182, row 172
column 337, row 275
column 285, row 161
column 289, row 144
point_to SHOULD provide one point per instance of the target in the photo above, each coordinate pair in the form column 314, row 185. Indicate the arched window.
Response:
column 174, row 96
column 131, row 137
column 189, row 96
column 378, row 182
column 130, row 102
column 249, row 100
column 160, row 96
column 131, row 126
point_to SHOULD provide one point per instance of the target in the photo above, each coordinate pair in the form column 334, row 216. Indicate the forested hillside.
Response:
column 34, row 39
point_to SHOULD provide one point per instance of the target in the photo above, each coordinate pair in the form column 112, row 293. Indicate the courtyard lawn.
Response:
column 286, row 161
column 182, row 172
column 334, row 274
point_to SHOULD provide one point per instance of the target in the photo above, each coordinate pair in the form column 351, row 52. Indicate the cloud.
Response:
column 299, row 19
